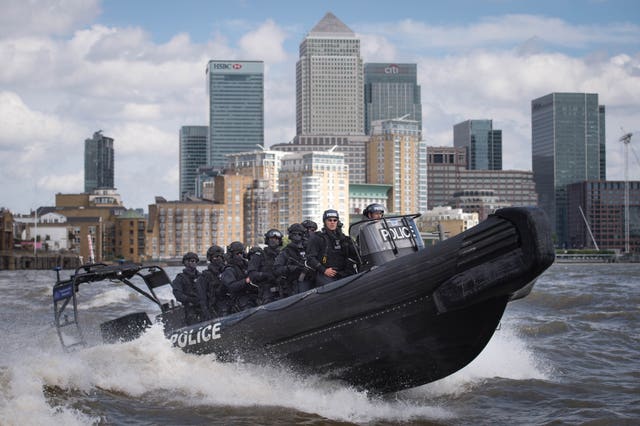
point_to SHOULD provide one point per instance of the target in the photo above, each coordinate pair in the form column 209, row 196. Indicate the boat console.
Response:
column 383, row 240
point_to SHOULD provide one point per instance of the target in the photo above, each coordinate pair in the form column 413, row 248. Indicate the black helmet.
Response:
column 189, row 256
column 309, row 224
column 297, row 232
column 214, row 251
column 272, row 233
column 373, row 208
column 235, row 247
column 254, row 250
column 330, row 214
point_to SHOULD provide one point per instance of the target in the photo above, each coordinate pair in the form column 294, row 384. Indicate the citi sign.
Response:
column 392, row 69
column 227, row 66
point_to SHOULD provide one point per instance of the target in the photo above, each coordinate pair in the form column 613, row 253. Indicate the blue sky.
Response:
column 136, row 70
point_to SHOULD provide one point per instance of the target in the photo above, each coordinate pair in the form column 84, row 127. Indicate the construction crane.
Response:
column 626, row 140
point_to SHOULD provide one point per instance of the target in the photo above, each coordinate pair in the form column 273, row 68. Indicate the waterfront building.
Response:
column 236, row 108
column 482, row 142
column 363, row 194
column 92, row 215
column 98, row 162
column 483, row 202
column 391, row 91
column 310, row 183
column 6, row 239
column 193, row 155
column 177, row 227
column 258, row 164
column 445, row 167
column 603, row 205
column 130, row 231
column 447, row 174
column 446, row 221
column 353, row 148
column 260, row 212
column 568, row 146
column 397, row 157
column 205, row 176
column 51, row 230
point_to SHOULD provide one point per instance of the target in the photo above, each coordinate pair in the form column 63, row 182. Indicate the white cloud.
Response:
column 265, row 43
column 504, row 31
column 45, row 17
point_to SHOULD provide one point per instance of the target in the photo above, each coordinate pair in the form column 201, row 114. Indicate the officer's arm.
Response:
column 314, row 253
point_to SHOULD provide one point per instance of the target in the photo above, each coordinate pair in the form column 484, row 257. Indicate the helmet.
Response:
column 373, row 208
column 235, row 247
column 272, row 233
column 309, row 224
column 215, row 251
column 296, row 232
column 330, row 214
column 255, row 250
column 189, row 256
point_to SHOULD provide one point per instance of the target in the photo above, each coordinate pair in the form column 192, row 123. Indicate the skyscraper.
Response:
column 330, row 81
column 391, row 91
column 329, row 96
column 236, row 108
column 193, row 155
column 482, row 142
column 568, row 146
column 98, row 162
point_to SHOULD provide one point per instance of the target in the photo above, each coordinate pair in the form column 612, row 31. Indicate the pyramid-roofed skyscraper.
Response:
column 330, row 81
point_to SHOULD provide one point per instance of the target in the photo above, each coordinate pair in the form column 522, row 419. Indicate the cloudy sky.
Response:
column 136, row 70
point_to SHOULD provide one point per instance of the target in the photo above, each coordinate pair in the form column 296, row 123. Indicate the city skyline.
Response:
column 139, row 77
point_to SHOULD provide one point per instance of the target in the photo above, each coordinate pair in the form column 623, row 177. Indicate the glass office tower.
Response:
column 568, row 146
column 391, row 91
column 98, row 163
column 482, row 142
column 236, row 108
column 193, row 155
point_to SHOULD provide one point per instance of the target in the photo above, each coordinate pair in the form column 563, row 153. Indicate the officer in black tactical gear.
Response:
column 373, row 211
column 331, row 253
column 236, row 281
column 310, row 227
column 187, row 291
column 217, row 299
column 290, row 265
column 261, row 266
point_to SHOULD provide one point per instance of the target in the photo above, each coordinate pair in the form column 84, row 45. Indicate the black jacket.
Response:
column 331, row 249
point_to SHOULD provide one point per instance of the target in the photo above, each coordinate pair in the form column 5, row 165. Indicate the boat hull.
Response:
column 411, row 321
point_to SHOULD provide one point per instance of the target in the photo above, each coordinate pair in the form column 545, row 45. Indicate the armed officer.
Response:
column 209, row 280
column 188, row 292
column 261, row 266
column 310, row 230
column 373, row 211
column 331, row 253
column 236, row 280
column 290, row 265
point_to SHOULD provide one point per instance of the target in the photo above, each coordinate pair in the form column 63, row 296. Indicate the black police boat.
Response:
column 412, row 316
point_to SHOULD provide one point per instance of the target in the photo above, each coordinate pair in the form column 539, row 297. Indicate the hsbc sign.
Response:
column 220, row 66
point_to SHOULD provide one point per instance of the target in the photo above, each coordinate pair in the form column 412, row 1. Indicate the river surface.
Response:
column 569, row 353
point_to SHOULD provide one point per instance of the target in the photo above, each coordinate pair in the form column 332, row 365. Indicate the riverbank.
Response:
column 23, row 260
